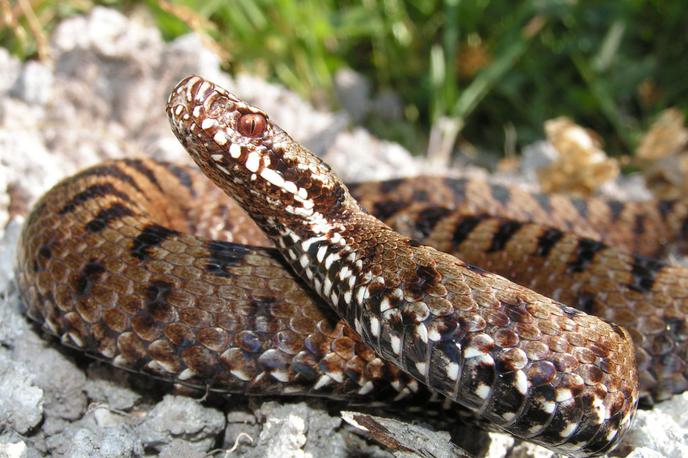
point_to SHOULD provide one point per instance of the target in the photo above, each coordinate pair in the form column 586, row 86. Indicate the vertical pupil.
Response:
column 251, row 125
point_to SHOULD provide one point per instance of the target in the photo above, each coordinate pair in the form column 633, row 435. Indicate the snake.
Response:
column 291, row 287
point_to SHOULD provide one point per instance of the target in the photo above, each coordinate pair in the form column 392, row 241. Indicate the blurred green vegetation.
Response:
column 475, row 68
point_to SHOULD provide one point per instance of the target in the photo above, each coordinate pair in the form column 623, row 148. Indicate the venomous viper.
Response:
column 144, row 264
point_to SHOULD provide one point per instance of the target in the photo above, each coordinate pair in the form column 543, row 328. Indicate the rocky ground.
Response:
column 102, row 96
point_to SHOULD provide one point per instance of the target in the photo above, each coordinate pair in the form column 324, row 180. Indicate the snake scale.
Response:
column 147, row 265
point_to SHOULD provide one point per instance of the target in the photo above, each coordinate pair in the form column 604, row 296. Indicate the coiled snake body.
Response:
column 108, row 262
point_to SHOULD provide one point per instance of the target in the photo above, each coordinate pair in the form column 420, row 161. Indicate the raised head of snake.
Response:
column 527, row 364
column 254, row 160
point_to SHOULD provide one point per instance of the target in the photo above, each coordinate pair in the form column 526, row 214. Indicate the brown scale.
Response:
column 642, row 227
column 428, row 280
column 105, row 263
column 96, row 290
column 643, row 295
column 118, row 280
column 538, row 257
column 428, row 312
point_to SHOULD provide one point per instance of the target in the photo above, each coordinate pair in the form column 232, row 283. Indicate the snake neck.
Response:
column 334, row 262
column 306, row 208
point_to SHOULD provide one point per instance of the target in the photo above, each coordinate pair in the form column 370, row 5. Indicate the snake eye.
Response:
column 252, row 125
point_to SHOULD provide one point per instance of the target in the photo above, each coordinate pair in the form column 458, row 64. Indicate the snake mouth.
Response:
column 187, row 104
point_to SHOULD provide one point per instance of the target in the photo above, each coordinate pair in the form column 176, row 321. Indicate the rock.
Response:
column 176, row 448
column 108, row 385
column 8, row 315
column 35, row 84
column 92, row 436
column 528, row 450
column 358, row 156
column 284, row 431
column 13, row 450
column 60, row 379
column 537, row 156
column 109, row 34
column 21, row 401
column 11, row 67
column 19, row 168
column 181, row 418
column 191, row 55
column 658, row 431
column 108, row 442
column 241, row 432
column 353, row 93
column 676, row 408
column 643, row 452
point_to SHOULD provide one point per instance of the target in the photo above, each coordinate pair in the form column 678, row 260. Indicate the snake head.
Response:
column 251, row 158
